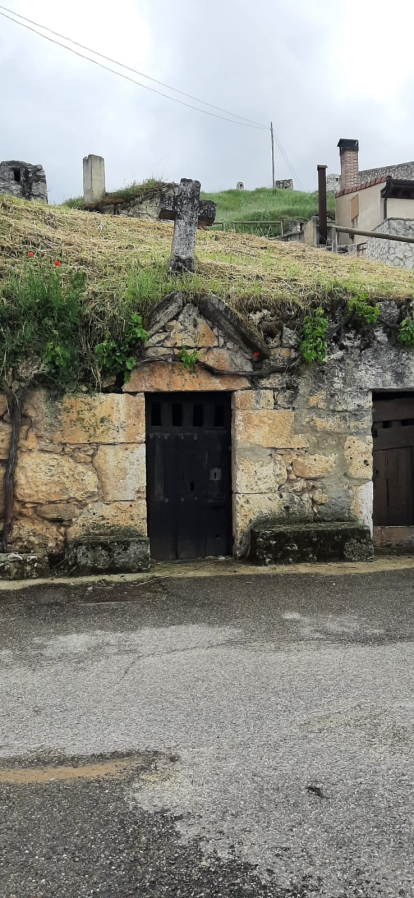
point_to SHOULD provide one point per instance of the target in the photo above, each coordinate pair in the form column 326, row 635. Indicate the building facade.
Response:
column 200, row 452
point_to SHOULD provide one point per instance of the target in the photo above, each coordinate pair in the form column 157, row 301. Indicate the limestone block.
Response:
column 358, row 454
column 317, row 400
column 43, row 477
column 156, row 339
column 121, row 472
column 362, row 503
column 100, row 418
column 3, row 405
column 225, row 360
column 32, row 535
column 17, row 566
column 296, row 505
column 253, row 507
column 257, row 470
column 361, row 424
column 264, row 427
column 58, row 511
column 281, row 356
column 190, row 329
column 121, row 519
column 4, row 439
column 350, row 400
column 290, row 337
column 253, row 399
column 313, row 466
column 286, row 399
column 165, row 377
column 319, row 497
column 328, row 423
column 97, row 556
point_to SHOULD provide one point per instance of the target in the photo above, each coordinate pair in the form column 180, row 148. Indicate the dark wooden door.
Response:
column 393, row 444
column 189, row 474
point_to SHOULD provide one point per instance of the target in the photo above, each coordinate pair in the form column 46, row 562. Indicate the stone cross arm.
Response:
column 188, row 212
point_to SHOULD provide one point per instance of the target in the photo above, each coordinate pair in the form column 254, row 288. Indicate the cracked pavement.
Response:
column 222, row 735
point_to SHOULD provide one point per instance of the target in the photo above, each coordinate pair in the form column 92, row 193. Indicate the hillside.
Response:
column 264, row 205
column 236, row 207
column 125, row 256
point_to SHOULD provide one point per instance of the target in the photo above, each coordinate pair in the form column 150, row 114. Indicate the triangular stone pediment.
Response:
column 208, row 326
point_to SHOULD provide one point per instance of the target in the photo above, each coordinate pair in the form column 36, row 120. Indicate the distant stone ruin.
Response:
column 333, row 183
column 25, row 181
column 286, row 184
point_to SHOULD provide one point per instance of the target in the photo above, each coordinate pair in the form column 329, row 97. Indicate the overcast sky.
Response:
column 321, row 70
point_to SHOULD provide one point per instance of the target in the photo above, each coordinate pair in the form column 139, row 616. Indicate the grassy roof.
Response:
column 247, row 271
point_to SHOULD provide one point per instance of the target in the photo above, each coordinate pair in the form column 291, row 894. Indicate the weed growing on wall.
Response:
column 363, row 313
column 406, row 333
column 188, row 359
column 312, row 346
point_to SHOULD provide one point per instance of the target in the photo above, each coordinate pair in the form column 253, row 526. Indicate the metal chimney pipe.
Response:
column 323, row 217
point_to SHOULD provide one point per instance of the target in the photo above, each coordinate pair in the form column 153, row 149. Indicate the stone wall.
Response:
column 286, row 184
column 23, row 180
column 301, row 437
column 390, row 252
column 403, row 171
column 146, row 206
column 80, row 471
column 333, row 183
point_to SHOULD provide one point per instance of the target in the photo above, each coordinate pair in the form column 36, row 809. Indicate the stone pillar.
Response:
column 93, row 178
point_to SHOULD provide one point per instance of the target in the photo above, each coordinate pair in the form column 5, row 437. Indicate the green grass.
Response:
column 264, row 204
column 75, row 202
column 126, row 259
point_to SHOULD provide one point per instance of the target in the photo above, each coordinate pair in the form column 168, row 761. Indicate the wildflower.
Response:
column 30, row 255
column 256, row 355
column 56, row 263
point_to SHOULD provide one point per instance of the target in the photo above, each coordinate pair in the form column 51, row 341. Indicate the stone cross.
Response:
column 187, row 212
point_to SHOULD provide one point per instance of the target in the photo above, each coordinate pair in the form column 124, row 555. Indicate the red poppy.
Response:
column 256, row 355
column 30, row 255
column 56, row 263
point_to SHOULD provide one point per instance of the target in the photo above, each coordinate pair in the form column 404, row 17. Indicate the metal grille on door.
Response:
column 189, row 474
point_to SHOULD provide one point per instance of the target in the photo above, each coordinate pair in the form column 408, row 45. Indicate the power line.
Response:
column 288, row 163
column 129, row 68
column 245, row 122
column 127, row 78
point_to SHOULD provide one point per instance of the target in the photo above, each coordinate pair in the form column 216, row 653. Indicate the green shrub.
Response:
column 406, row 333
column 313, row 332
column 364, row 314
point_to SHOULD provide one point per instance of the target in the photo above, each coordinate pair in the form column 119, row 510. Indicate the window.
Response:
column 218, row 415
column 177, row 414
column 156, row 414
column 198, row 415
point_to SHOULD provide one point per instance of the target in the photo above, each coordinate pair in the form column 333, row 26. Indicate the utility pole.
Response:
column 272, row 137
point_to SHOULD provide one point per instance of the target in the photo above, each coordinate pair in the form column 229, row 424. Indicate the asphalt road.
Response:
column 223, row 736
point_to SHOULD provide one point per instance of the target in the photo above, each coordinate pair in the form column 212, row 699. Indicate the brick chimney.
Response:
column 348, row 152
